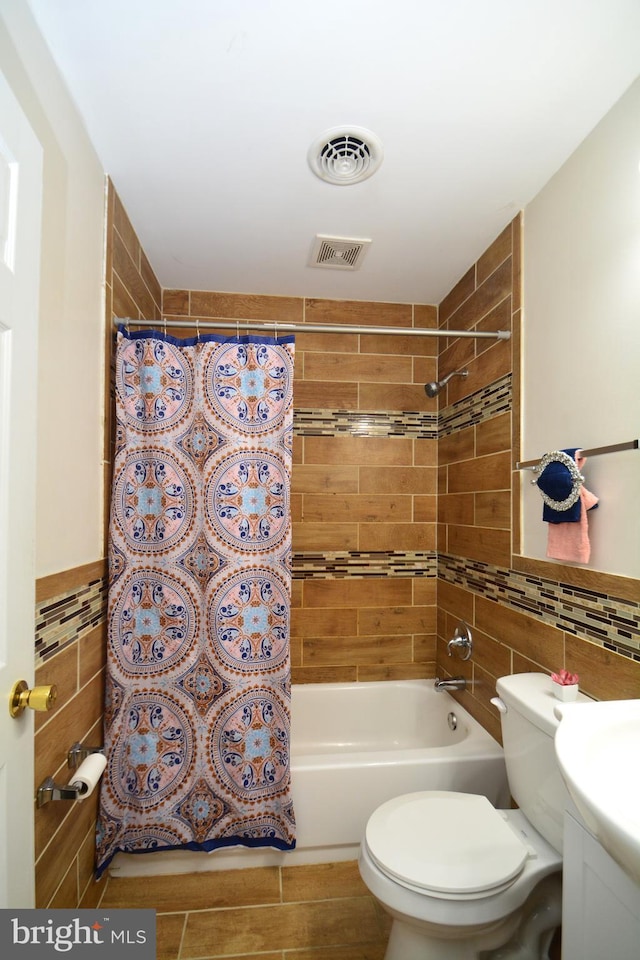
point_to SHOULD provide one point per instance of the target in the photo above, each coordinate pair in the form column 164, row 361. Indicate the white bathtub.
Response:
column 353, row 746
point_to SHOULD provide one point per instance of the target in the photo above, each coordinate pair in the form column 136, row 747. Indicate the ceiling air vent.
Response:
column 338, row 253
column 345, row 155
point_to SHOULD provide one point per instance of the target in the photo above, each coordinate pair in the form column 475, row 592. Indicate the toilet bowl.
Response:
column 462, row 880
column 455, row 873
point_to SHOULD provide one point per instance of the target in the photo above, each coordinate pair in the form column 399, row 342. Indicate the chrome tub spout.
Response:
column 453, row 683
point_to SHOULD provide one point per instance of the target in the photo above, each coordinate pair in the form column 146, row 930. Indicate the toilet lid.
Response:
column 451, row 845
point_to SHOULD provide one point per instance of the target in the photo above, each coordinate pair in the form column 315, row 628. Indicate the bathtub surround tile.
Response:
column 480, row 543
column 324, row 536
column 312, row 478
column 353, row 592
column 399, row 671
column 358, row 367
column 347, row 651
column 349, row 674
column 357, row 508
column 401, row 536
column 206, row 304
column 496, row 254
column 361, row 312
column 313, row 395
column 489, row 292
column 492, row 400
column 610, row 622
column 396, row 396
column 360, row 451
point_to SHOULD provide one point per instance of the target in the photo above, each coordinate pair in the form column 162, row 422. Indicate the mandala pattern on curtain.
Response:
column 197, row 710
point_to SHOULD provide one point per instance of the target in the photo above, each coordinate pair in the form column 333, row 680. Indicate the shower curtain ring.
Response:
column 197, row 329
column 164, row 324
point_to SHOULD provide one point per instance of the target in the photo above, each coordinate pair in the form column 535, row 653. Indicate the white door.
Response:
column 20, row 205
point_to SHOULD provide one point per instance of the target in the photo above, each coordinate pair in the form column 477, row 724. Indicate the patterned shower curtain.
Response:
column 198, row 677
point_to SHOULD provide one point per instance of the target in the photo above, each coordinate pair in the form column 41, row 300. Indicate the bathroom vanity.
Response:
column 600, row 902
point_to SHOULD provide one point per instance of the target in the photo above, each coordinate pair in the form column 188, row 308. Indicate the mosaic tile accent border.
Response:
column 361, row 423
column 609, row 621
column 63, row 619
column 354, row 563
column 492, row 400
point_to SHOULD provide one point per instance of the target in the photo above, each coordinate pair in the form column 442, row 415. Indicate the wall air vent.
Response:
column 345, row 155
column 338, row 253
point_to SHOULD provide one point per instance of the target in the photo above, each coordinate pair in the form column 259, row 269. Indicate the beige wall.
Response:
column 70, row 519
column 581, row 346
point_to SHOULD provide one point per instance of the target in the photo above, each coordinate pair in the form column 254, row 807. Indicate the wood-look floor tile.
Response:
column 169, row 929
column 280, row 927
column 322, row 881
column 195, row 891
column 363, row 951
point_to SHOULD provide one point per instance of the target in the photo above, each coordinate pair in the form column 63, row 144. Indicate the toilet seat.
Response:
column 452, row 846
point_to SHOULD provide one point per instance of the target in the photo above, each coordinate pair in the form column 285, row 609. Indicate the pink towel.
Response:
column 570, row 541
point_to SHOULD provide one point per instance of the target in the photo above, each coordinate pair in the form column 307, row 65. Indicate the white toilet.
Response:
column 463, row 880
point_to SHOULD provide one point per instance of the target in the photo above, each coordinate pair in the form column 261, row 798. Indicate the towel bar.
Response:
column 593, row 452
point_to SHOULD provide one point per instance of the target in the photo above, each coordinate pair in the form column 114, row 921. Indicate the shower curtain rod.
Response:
column 275, row 328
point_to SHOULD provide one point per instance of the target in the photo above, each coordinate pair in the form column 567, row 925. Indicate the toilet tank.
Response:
column 528, row 729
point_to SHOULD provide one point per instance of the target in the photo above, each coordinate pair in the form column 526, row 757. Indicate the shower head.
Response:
column 433, row 389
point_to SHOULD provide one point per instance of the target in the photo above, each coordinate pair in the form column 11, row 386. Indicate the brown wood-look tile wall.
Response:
column 478, row 509
column 353, row 495
column 132, row 291
column 64, row 832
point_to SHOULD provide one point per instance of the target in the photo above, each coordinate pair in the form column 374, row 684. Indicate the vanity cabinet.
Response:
column 600, row 902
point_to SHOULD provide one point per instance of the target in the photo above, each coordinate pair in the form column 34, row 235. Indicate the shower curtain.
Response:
column 198, row 677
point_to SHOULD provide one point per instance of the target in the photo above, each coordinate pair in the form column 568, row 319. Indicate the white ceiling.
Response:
column 202, row 112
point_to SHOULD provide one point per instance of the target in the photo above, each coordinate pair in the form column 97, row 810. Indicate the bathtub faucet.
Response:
column 453, row 683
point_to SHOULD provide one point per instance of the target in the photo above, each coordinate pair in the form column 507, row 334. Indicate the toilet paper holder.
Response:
column 50, row 790
column 79, row 752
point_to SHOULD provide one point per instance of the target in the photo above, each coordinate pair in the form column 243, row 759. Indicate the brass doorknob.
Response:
column 38, row 698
